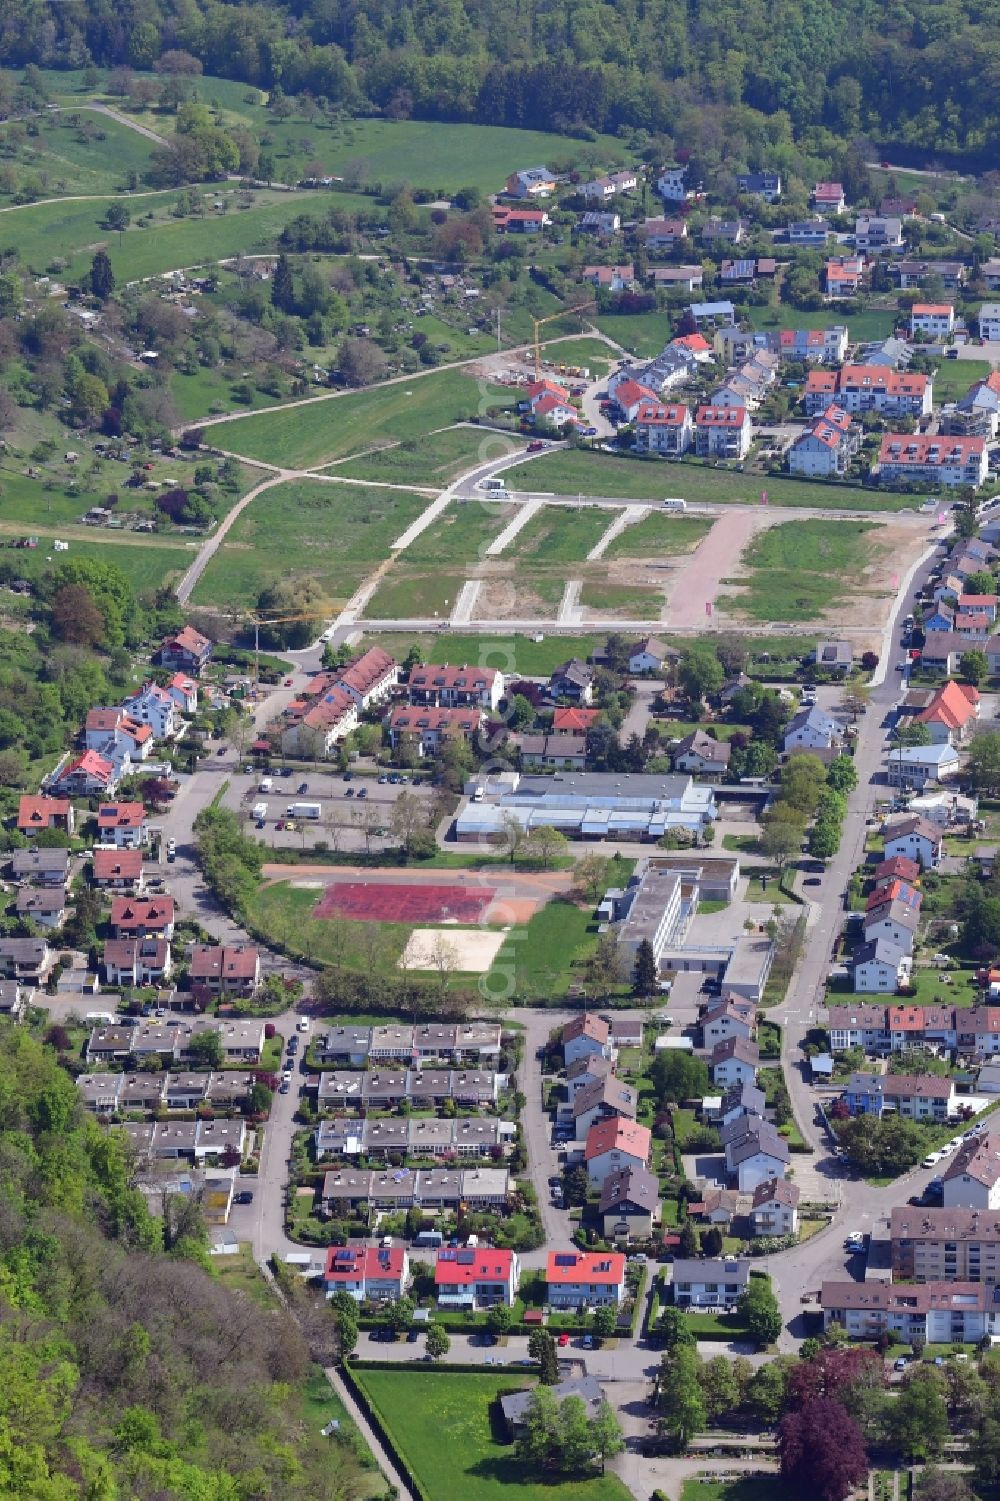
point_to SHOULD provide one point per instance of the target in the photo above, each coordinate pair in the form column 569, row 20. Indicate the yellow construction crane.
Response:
column 567, row 312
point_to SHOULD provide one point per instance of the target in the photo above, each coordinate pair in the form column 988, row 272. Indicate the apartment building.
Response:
column 945, row 1245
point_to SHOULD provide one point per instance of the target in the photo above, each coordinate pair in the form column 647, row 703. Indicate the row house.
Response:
column 934, row 459
column 929, row 1312
column 582, row 1280
column 116, row 1093
column 225, row 969
column 426, row 730
column 863, row 1026
column 369, row 679
column 722, row 432
column 827, row 448
column 137, row 961
column 424, row 1088
column 868, row 388
column 915, row 1097
column 978, row 1030
column 663, row 428
column 351, row 1189
column 945, row 1245
column 459, row 1041
column 455, row 687
column 316, row 732
column 380, row 1136
column 26, row 959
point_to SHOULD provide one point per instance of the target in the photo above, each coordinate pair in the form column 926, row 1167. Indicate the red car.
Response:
column 288, row 682
column 563, row 1340
column 536, row 447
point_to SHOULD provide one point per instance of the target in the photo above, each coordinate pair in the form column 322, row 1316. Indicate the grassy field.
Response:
column 444, row 1424
column 461, row 533
column 513, row 654
column 405, row 595
column 333, row 533
column 801, row 569
column 308, row 436
column 548, row 952
column 151, row 245
column 577, row 471
column 745, row 1488
column 952, row 378
column 862, row 327
column 658, row 534
column 432, row 460
column 560, row 534
column 146, row 563
column 643, row 335
column 94, row 156
column 620, row 599
column 284, row 912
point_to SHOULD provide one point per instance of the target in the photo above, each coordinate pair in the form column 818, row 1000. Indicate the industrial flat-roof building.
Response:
column 594, row 805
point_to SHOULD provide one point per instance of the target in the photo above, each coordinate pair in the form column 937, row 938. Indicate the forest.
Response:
column 128, row 1369
column 920, row 74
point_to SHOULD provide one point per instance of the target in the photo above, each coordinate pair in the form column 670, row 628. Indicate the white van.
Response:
column 267, row 784
column 493, row 482
column 674, row 503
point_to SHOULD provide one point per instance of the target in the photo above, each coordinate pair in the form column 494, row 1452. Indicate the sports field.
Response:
column 384, row 901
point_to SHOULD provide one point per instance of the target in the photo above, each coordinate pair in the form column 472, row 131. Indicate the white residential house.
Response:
column 670, row 184
column 989, row 321
column 663, row 428
column 879, row 967
column 916, row 839
column 709, row 1284
column 875, row 233
column 756, row 1156
column 586, row 1036
column 827, row 447
column 936, row 320
column 811, row 729
column 585, row 1279
column 775, row 1209
column 154, row 706
column 734, row 1061
column 972, row 1178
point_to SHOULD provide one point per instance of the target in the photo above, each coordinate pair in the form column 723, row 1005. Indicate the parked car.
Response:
column 245, row 1196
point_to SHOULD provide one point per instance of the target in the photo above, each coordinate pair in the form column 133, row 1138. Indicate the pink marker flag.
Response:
column 763, row 497
column 895, row 581
column 708, row 607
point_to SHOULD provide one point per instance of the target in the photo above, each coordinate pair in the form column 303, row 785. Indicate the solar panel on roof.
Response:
column 466, row 1258
column 564, row 1259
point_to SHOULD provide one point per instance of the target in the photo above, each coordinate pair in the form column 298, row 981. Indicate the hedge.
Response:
column 374, row 1417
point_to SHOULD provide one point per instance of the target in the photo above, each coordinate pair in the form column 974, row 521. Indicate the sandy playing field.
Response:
column 474, row 949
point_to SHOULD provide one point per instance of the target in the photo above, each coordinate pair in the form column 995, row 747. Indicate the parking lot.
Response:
column 345, row 799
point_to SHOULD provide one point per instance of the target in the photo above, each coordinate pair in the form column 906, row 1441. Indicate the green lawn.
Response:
column 284, row 913
column 658, row 534
column 514, row 654
column 620, row 599
column 147, row 564
column 560, row 534
column 545, row 955
column 643, row 335
column 435, row 459
column 800, row 569
column 952, row 378
column 863, row 327
column 584, row 472
column 461, row 533
column 65, row 158
column 72, row 230
column 308, row 436
column 407, row 595
column 445, row 1425
column 745, row 1488
column 929, row 989
column 333, row 533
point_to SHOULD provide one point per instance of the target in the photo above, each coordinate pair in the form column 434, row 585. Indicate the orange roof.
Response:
column 697, row 343
column 35, row 812
column 953, row 706
column 587, row 1025
column 120, row 816
column 599, row 1268
column 906, row 1019
column 618, row 1135
column 570, row 719
column 932, row 309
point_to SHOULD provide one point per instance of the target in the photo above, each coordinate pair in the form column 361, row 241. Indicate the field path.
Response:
column 716, row 557
column 628, row 517
column 212, row 544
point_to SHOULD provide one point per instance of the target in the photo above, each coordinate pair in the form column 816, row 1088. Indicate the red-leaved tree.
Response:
column 822, row 1452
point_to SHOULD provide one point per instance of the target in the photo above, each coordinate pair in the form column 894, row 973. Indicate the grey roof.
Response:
column 611, row 1091
column 884, row 950
column 516, row 1406
column 632, row 1185
column 764, row 1139
column 714, row 1269
column 749, row 1096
